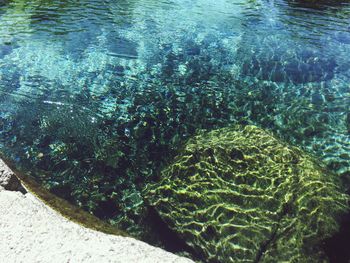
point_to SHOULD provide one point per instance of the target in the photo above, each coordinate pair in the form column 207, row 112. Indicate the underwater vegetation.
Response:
column 239, row 194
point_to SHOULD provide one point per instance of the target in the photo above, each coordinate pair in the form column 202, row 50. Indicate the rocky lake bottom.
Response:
column 100, row 101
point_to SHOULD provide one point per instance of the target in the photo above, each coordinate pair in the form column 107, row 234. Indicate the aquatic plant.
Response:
column 238, row 194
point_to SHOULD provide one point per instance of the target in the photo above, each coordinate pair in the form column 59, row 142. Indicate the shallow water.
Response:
column 96, row 97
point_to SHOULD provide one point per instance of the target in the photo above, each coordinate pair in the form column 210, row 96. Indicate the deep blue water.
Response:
column 97, row 96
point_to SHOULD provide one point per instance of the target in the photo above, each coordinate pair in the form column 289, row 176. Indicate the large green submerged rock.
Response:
column 240, row 195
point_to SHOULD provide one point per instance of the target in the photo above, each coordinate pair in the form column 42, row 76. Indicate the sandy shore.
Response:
column 30, row 231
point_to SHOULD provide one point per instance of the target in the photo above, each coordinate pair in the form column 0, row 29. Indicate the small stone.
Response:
column 317, row 99
column 8, row 180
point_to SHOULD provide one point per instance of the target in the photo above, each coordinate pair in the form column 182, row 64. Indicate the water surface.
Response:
column 96, row 97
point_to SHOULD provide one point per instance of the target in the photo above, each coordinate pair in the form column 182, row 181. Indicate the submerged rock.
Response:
column 240, row 195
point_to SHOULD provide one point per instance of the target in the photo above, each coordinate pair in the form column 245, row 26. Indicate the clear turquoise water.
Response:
column 96, row 97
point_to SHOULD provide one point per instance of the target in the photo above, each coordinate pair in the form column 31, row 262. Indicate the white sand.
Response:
column 30, row 231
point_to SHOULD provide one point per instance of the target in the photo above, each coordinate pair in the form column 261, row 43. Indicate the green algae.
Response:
column 239, row 194
column 66, row 209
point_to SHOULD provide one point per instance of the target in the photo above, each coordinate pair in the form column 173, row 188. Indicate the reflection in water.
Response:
column 96, row 97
